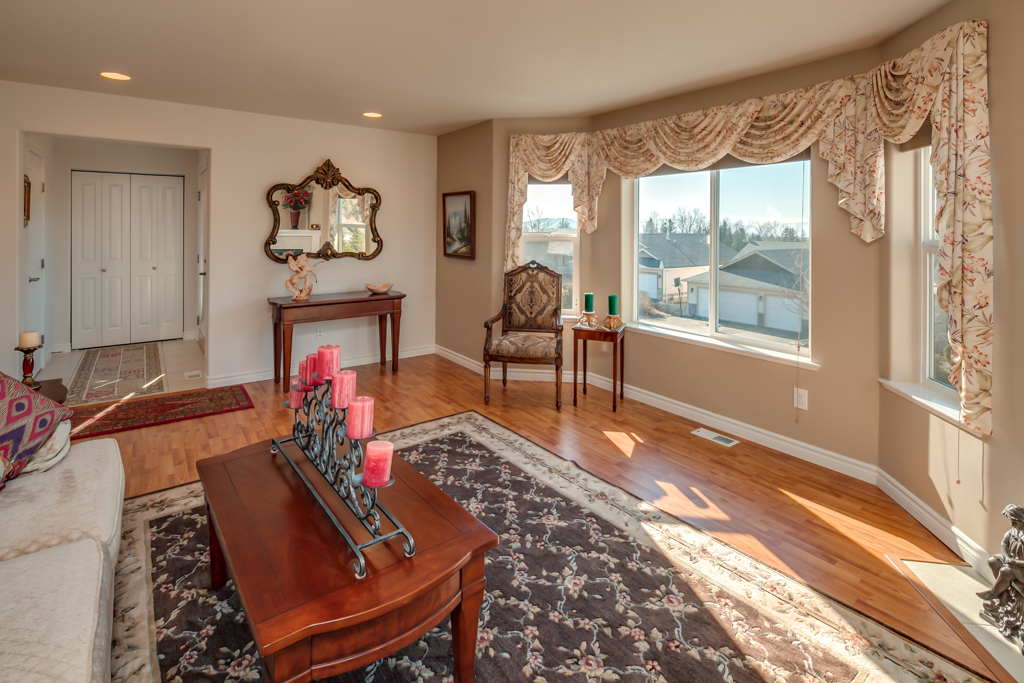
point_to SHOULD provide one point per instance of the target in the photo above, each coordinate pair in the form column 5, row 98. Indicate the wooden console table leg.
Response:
column 277, row 352
column 382, row 329
column 218, row 569
column 286, row 368
column 396, row 325
column 575, row 367
column 465, row 619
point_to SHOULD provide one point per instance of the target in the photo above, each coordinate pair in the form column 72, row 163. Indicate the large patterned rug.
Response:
column 148, row 412
column 112, row 373
column 587, row 584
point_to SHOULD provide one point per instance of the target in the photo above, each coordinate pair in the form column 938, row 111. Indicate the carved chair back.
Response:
column 533, row 299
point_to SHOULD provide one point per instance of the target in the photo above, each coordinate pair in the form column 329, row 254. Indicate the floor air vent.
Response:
column 712, row 436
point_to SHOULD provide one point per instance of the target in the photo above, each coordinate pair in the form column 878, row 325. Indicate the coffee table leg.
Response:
column 465, row 618
column 218, row 570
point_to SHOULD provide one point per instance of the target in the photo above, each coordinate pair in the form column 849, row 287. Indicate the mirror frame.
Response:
column 326, row 176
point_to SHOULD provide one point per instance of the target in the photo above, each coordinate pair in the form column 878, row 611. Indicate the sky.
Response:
column 774, row 192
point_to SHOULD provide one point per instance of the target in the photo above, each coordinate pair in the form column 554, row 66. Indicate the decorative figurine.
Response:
column 303, row 270
column 1003, row 605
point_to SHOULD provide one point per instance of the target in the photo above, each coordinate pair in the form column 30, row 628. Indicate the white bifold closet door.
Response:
column 126, row 258
column 100, row 259
column 157, row 265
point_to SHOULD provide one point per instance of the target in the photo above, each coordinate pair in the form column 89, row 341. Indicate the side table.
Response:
column 618, row 339
column 54, row 390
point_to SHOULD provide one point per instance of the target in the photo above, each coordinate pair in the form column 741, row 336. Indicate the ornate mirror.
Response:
column 323, row 216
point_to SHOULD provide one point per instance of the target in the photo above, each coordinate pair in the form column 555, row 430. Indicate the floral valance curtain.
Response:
column 850, row 118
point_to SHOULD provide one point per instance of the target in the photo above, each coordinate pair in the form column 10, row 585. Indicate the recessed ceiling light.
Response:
column 114, row 76
column 372, row 115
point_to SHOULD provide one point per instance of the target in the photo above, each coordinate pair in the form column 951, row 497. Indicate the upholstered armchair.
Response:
column 533, row 310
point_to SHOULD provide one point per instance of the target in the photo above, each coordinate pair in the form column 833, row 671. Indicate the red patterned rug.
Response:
column 148, row 412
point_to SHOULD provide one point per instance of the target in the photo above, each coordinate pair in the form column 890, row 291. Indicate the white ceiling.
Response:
column 428, row 66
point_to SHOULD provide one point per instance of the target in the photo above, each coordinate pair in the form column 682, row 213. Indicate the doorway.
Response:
column 127, row 258
column 35, row 258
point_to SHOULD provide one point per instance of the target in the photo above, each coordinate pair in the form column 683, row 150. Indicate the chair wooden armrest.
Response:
column 501, row 316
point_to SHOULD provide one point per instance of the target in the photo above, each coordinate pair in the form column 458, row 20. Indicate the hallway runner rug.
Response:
column 148, row 412
column 588, row 584
column 114, row 372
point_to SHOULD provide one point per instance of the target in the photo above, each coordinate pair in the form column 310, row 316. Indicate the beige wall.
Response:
column 72, row 154
column 248, row 154
column 920, row 451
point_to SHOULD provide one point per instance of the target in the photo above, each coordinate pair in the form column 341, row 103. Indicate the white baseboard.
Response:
column 61, row 348
column 260, row 375
column 951, row 536
column 192, row 334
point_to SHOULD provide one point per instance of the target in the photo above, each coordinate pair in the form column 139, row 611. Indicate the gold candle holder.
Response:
column 588, row 319
column 613, row 322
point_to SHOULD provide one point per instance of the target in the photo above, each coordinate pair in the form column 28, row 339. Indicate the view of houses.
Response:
column 763, row 278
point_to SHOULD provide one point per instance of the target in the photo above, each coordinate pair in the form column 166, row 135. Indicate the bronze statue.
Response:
column 1003, row 605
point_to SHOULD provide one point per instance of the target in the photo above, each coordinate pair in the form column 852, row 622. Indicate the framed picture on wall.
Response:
column 458, row 224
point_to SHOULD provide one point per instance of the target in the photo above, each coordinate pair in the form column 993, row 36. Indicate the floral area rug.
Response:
column 587, row 584
column 148, row 412
column 111, row 373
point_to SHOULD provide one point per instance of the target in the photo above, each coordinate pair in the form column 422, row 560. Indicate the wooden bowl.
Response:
column 380, row 289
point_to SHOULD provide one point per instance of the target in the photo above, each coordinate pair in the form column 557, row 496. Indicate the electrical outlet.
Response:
column 800, row 398
column 319, row 333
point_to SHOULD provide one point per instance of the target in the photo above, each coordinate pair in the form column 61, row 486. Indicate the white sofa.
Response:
column 60, row 531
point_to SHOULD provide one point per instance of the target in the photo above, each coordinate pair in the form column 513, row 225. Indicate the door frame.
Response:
column 71, row 246
column 38, row 220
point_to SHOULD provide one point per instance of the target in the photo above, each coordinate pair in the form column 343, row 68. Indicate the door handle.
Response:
column 202, row 274
column 103, row 270
column 154, row 267
column 33, row 279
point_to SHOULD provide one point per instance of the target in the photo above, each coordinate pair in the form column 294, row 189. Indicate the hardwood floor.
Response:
column 826, row 529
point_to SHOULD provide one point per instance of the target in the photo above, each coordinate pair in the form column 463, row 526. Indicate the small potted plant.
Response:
column 296, row 201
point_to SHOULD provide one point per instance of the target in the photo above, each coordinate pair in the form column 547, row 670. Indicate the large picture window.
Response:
column 753, row 224
column 550, row 235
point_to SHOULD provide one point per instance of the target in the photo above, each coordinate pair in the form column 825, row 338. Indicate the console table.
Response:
column 309, row 615
column 319, row 307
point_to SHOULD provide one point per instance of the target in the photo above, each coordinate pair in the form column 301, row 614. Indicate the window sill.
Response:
column 729, row 347
column 943, row 405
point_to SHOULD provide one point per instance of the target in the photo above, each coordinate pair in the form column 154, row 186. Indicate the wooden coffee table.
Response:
column 310, row 616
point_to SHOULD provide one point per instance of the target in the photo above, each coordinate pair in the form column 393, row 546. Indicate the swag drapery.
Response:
column 850, row 118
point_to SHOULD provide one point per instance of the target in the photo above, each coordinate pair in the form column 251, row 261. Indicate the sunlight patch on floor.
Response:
column 622, row 441
column 689, row 503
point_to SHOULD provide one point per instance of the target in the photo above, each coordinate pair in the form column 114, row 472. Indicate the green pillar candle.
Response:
column 613, row 304
column 588, row 302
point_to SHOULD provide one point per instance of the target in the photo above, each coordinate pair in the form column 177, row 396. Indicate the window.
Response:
column 759, row 291
column 348, row 232
column 936, row 355
column 550, row 235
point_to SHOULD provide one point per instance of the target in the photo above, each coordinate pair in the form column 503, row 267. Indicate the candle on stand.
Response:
column 28, row 340
column 360, row 417
column 312, row 376
column 613, row 304
column 377, row 471
column 328, row 359
column 343, row 388
column 588, row 302
column 295, row 395
column 302, row 372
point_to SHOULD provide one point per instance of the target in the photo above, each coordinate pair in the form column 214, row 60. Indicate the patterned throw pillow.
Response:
column 26, row 421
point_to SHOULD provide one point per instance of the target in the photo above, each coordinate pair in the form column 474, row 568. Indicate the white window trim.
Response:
column 927, row 247
column 748, row 346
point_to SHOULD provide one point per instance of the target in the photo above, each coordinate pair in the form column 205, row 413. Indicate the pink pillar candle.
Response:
column 313, row 377
column 377, row 471
column 360, row 417
column 302, row 372
column 343, row 388
column 328, row 359
column 295, row 394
